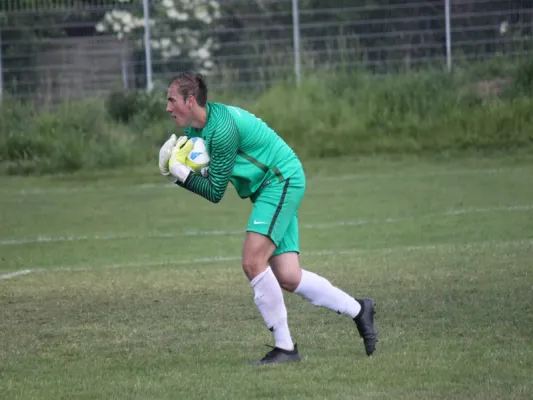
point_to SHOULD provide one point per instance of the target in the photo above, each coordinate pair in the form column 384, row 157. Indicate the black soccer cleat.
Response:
column 278, row 356
column 365, row 324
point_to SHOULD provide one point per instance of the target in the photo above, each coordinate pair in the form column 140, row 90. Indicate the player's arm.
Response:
column 224, row 145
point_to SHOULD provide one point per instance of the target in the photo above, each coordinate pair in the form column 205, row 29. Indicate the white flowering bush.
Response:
column 178, row 29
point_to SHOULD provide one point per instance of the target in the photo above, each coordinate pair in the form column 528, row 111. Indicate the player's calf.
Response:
column 320, row 292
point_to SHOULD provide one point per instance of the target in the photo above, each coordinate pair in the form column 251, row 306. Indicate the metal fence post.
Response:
column 296, row 39
column 147, row 46
column 447, row 19
column 123, row 65
column 1, row 70
column 1, row 55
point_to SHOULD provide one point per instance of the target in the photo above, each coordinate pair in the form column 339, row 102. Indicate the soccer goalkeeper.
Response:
column 245, row 151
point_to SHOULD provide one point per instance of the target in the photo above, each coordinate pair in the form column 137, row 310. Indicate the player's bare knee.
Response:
column 289, row 286
column 287, row 269
column 253, row 267
column 256, row 252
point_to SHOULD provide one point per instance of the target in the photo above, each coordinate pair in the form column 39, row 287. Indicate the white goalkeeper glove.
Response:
column 176, row 164
column 165, row 153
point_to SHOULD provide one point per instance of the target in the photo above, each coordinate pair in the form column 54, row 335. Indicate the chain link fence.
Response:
column 53, row 51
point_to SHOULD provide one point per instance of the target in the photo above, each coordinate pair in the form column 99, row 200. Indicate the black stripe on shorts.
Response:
column 278, row 209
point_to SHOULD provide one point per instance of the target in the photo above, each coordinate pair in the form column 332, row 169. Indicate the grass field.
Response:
column 118, row 286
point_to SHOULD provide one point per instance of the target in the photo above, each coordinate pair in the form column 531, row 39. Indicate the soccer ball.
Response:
column 198, row 159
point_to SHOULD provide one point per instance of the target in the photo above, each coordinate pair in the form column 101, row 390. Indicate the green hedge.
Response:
column 415, row 113
column 74, row 136
column 330, row 114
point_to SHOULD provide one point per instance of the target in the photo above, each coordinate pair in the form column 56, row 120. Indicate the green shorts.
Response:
column 275, row 213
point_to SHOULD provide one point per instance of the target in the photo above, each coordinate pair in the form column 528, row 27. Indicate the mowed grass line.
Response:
column 418, row 196
column 194, row 251
column 453, row 292
column 213, row 262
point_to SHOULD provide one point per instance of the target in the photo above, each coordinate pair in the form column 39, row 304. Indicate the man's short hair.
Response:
column 191, row 84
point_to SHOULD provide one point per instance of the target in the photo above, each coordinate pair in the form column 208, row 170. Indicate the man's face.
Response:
column 179, row 109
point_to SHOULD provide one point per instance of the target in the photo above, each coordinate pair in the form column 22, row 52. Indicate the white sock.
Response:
column 320, row 292
column 269, row 300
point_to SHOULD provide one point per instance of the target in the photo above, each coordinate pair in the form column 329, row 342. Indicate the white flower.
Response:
column 203, row 53
column 175, row 51
column 174, row 14
column 504, row 27
column 201, row 13
column 127, row 19
column 100, row 27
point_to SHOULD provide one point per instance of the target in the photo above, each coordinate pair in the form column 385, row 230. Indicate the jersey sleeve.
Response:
column 224, row 145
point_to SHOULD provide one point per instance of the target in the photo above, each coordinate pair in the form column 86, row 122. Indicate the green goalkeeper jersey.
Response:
column 244, row 150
